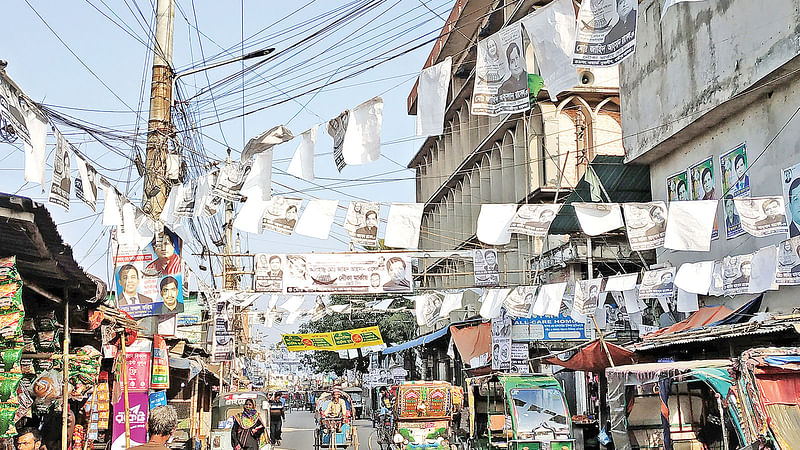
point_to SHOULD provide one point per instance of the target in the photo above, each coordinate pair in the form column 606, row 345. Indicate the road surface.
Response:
column 298, row 432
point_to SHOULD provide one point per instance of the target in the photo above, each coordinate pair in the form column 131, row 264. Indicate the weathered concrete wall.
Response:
column 689, row 65
column 756, row 125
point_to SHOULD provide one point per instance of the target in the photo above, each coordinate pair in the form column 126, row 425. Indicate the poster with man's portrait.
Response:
column 678, row 187
column 702, row 185
column 361, row 222
column 336, row 129
column 587, row 294
column 733, row 164
column 646, row 224
column 281, row 214
column 61, row 182
column 791, row 197
column 150, row 281
column 788, row 267
column 736, row 272
column 659, row 283
column 12, row 108
column 485, row 268
column 222, row 343
column 269, row 272
column 230, row 180
column 733, row 223
column 86, row 183
column 519, row 302
column 501, row 76
column 606, row 32
column 534, row 220
column 761, row 216
column 184, row 206
column 501, row 341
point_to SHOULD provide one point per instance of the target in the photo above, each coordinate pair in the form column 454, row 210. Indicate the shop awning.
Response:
column 593, row 358
column 422, row 340
column 473, row 341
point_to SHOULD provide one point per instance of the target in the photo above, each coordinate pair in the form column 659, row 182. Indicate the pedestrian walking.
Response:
column 249, row 431
column 276, row 416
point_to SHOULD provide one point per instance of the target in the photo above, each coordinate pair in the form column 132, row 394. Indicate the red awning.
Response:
column 593, row 358
column 472, row 341
column 700, row 318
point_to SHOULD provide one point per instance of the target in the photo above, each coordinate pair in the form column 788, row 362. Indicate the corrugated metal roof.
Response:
column 719, row 332
column 623, row 182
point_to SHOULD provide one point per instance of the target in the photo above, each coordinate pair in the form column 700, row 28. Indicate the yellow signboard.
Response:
column 333, row 341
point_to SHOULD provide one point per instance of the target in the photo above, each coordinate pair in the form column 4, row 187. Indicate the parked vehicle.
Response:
column 424, row 415
column 224, row 407
column 519, row 412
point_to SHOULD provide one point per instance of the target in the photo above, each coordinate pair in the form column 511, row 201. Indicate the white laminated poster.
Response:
column 668, row 3
column 336, row 128
column 534, row 220
column 168, row 211
column 362, row 139
column 61, row 184
column 501, row 341
column 356, row 273
column 736, row 274
column 361, row 222
column 587, row 293
column 269, row 272
column 403, row 225
column 265, row 141
column 606, row 32
column 250, row 215
column 598, row 218
column 86, row 183
column 548, row 300
column 317, row 218
column 519, row 358
column 184, row 204
column 112, row 210
column 625, row 282
column 13, row 108
column 292, row 304
column 222, row 344
column 520, row 301
column 690, row 225
column 791, row 197
column 485, row 267
column 231, row 180
column 631, row 300
column 493, row 222
column 35, row 149
column 501, row 76
column 432, row 98
column 204, row 185
column 687, row 301
column 659, row 283
column 717, row 286
column 281, row 214
column 259, row 178
column 426, row 309
column 646, row 224
column 493, row 302
column 551, row 30
column 302, row 164
column 788, row 264
column 764, row 267
column 452, row 301
column 695, row 277
column 761, row 216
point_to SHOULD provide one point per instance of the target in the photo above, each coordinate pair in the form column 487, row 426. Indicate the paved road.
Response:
column 298, row 432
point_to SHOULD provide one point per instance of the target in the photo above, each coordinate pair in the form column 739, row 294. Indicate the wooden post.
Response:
column 124, row 369
column 65, row 385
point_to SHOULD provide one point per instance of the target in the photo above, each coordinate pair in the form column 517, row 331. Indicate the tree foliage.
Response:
column 395, row 327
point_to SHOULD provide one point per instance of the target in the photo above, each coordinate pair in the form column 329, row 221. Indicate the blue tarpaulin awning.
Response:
column 422, row 340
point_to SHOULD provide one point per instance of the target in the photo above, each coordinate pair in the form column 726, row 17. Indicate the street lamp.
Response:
column 246, row 56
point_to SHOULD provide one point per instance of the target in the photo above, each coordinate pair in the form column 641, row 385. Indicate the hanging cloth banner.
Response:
column 362, row 139
column 501, row 77
column 61, row 183
column 333, row 341
column 606, row 32
column 317, row 218
column 336, row 129
column 302, row 164
column 551, row 30
column 403, row 225
column 86, row 183
column 361, row 222
column 534, row 220
column 646, row 224
column 432, row 98
column 598, row 218
column 356, row 273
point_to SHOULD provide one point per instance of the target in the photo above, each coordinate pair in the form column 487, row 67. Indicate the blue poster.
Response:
column 548, row 328
column 158, row 398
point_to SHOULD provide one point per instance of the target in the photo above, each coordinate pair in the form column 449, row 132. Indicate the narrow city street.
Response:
column 298, row 432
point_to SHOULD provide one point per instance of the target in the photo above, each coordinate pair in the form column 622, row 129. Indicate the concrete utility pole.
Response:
column 159, row 125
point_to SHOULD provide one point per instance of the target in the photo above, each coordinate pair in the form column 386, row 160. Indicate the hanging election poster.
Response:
column 702, row 185
column 519, row 358
column 646, row 224
column 231, row 179
column 86, row 183
column 281, row 214
column 605, row 33
column 333, row 341
column 677, row 187
column 347, row 274
column 188, row 322
column 659, row 283
column 788, row 272
column 184, row 206
column 736, row 274
column 501, row 341
column 501, row 77
column 735, row 180
column 520, row 301
column 336, row 129
column 361, row 222
column 761, row 216
column 791, row 198
column 61, row 182
column 150, row 281
column 12, row 111
column 269, row 272
column 733, row 223
column 534, row 220
column 223, row 340
column 485, row 267
column 587, row 293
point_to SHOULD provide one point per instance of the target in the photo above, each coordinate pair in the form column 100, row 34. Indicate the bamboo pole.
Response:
column 124, row 369
column 65, row 384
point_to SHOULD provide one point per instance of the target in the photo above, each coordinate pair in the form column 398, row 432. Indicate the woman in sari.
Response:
column 248, row 432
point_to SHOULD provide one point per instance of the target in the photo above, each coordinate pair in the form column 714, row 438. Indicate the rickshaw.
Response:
column 375, row 402
column 224, row 407
column 336, row 435
column 518, row 412
column 424, row 415
column 357, row 397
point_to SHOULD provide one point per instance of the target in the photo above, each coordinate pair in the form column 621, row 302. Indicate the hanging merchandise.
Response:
column 86, row 183
column 61, row 183
column 361, row 222
column 317, row 218
column 501, row 76
column 551, row 30
column 362, row 139
column 11, row 342
column 605, row 33
column 432, row 98
column 302, row 164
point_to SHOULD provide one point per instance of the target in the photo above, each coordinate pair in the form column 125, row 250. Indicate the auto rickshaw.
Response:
column 340, row 434
column 224, row 407
column 519, row 412
column 424, row 415
column 357, row 397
